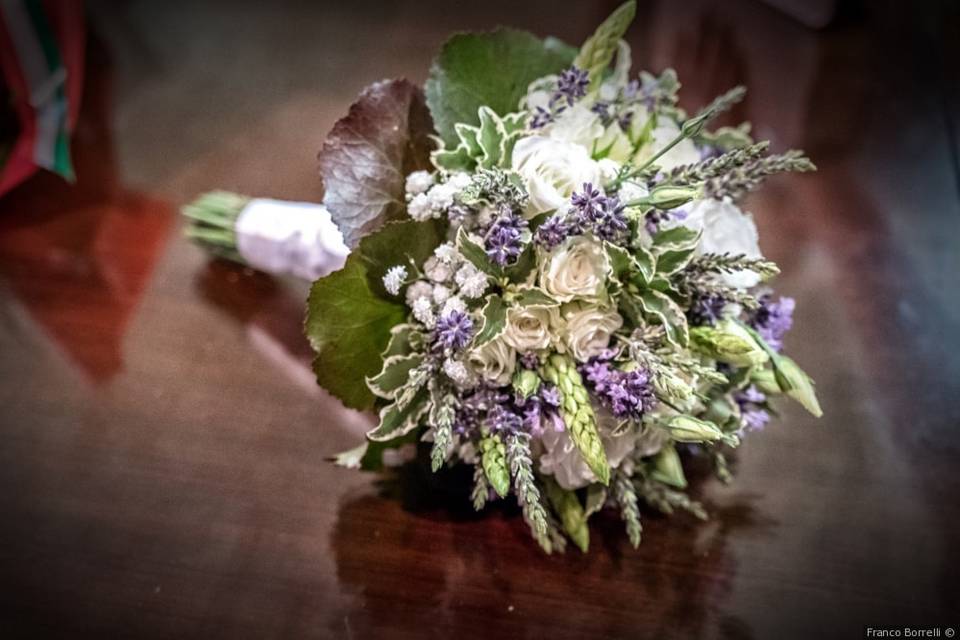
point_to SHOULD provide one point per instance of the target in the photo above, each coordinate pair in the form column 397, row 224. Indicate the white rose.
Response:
column 552, row 170
column 564, row 461
column 528, row 328
column 494, row 361
column 576, row 124
column 587, row 329
column 577, row 268
column 726, row 229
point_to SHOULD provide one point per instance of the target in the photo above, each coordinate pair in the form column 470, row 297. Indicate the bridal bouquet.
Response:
column 550, row 279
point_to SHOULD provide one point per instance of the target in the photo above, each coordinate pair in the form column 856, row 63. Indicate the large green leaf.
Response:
column 492, row 69
column 350, row 316
column 368, row 153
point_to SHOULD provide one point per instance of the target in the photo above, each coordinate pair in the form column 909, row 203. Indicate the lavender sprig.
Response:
column 518, row 455
column 626, row 496
column 737, row 182
column 571, row 85
column 730, row 263
column 481, row 488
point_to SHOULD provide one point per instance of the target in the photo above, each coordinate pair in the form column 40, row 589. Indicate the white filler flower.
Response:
column 394, row 278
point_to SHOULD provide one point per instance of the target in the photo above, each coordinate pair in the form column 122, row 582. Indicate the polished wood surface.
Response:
column 162, row 467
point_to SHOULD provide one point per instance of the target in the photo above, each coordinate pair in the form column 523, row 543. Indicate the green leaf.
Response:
column 457, row 159
column 597, row 52
column 488, row 69
column 671, row 316
column 369, row 152
column 393, row 376
column 673, row 260
column 349, row 315
column 476, row 254
column 396, row 421
column 678, row 237
column 491, row 139
column 372, row 459
column 667, row 468
column 398, row 243
column 571, row 513
column 402, row 339
column 353, row 458
column 533, row 297
column 469, row 138
column 626, row 264
column 596, row 498
column 494, row 320
column 520, row 270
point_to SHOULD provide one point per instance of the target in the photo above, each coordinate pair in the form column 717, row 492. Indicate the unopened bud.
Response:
column 690, row 429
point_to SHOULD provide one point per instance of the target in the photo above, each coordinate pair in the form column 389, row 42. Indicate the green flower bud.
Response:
column 729, row 342
column 667, row 468
column 690, row 429
column 526, row 382
column 796, row 384
column 765, row 381
column 670, row 197
column 694, row 126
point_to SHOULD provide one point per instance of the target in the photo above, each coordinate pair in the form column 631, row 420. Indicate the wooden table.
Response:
column 162, row 467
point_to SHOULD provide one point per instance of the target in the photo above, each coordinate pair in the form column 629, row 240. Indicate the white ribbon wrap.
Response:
column 296, row 238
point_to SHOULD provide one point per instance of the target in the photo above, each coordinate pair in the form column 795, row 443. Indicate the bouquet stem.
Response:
column 212, row 220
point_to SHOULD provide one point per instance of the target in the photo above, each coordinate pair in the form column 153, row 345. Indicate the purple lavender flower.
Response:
column 753, row 415
column 588, row 202
column 454, row 330
column 706, row 309
column 503, row 238
column 529, row 360
column 625, row 393
column 541, row 118
column 553, row 232
column 550, row 406
column 502, row 418
column 611, row 224
column 773, row 320
column 602, row 109
column 572, row 84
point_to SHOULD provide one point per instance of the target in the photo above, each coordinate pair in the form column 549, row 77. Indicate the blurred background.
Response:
column 163, row 469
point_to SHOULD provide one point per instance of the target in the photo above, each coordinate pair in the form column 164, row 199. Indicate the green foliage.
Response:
column 494, row 320
column 393, row 376
column 577, row 413
column 669, row 313
column 349, row 315
column 368, row 153
column 667, row 468
column 476, row 255
column 572, row 517
column 532, row 297
column 398, row 419
column 487, row 69
column 597, row 52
